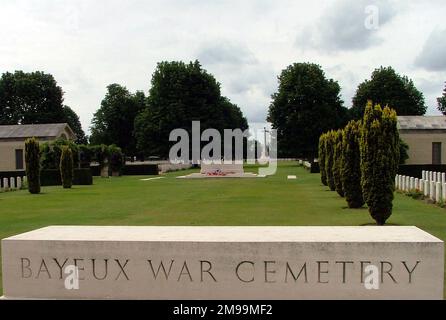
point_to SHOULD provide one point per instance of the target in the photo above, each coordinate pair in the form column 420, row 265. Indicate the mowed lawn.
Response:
column 273, row 201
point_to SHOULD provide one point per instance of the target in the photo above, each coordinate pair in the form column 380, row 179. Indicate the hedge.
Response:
column 51, row 177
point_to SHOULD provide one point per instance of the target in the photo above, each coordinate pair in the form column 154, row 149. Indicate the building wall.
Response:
column 7, row 154
column 420, row 145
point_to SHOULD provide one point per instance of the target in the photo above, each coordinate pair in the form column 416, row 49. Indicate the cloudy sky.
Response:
column 88, row 44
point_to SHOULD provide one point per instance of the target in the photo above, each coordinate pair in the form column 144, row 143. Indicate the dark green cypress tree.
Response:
column 66, row 167
column 329, row 150
column 321, row 159
column 379, row 160
column 351, row 168
column 32, row 159
column 337, row 162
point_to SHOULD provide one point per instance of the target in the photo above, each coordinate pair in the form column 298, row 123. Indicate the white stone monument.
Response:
column 223, row 263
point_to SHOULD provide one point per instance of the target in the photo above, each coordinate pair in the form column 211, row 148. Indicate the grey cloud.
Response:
column 433, row 54
column 342, row 26
column 226, row 53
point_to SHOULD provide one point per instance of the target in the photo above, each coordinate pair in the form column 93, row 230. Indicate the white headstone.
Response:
column 431, row 176
column 25, row 179
column 443, row 191
column 12, row 182
column 443, row 178
column 421, row 186
column 411, row 184
column 438, row 193
column 400, row 182
column 407, row 183
column 432, row 191
column 5, row 183
column 438, row 176
column 19, row 183
column 426, row 188
column 416, row 184
column 423, row 174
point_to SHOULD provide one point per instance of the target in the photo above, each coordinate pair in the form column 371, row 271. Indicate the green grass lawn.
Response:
column 273, row 201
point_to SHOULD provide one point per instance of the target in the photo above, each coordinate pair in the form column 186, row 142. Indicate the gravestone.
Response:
column 222, row 169
column 223, row 263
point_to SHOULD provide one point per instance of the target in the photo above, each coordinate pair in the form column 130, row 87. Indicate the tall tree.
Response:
column 181, row 93
column 29, row 98
column 442, row 102
column 73, row 121
column 305, row 105
column 380, row 151
column 113, row 122
column 35, row 98
column 351, row 168
column 388, row 88
column 321, row 159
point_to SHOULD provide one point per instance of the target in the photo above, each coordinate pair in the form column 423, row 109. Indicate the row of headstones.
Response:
column 13, row 183
column 432, row 185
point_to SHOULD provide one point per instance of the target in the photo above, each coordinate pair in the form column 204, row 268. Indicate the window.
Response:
column 436, row 152
column 19, row 159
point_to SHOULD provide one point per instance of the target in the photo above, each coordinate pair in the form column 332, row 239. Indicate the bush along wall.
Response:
column 32, row 159
column 51, row 177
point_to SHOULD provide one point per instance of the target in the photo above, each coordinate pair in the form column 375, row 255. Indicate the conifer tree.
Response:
column 337, row 162
column 321, row 159
column 32, row 159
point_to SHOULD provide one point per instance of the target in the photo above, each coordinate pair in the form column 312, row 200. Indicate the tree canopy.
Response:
column 181, row 93
column 388, row 88
column 442, row 102
column 113, row 122
column 305, row 105
column 35, row 98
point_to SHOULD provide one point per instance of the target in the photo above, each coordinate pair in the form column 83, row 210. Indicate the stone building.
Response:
column 12, row 141
column 426, row 137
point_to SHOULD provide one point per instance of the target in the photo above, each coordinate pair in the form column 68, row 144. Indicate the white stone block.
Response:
column 443, row 191
column 438, row 193
column 19, row 183
column 416, row 184
column 432, row 191
column 5, row 183
column 411, row 183
column 12, row 183
column 259, row 263
column 438, row 177
column 423, row 174
column 426, row 188
column 407, row 183
column 443, row 178
column 421, row 186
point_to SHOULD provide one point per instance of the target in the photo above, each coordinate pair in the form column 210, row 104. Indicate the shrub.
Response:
column 51, row 177
column 321, row 159
column 337, row 162
column 329, row 149
column 52, row 151
column 117, row 158
column 66, row 167
column 351, row 169
column 32, row 159
column 379, row 160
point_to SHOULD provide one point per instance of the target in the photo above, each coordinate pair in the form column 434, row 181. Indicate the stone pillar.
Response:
column 438, row 192
column 432, row 191
column 12, row 182
column 426, row 187
column 19, row 183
